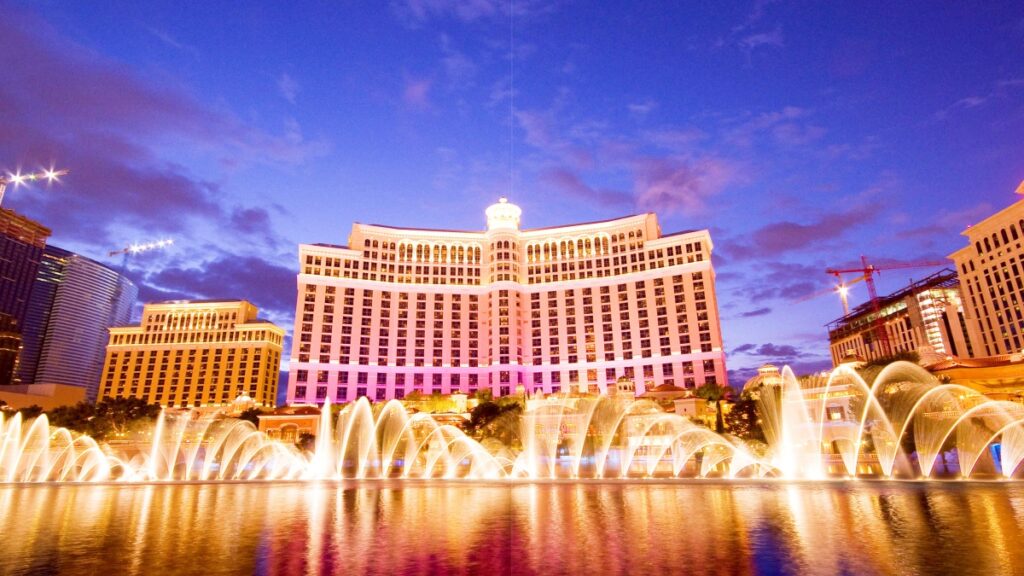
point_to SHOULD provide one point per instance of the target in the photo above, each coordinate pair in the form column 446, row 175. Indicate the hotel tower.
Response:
column 561, row 309
column 198, row 353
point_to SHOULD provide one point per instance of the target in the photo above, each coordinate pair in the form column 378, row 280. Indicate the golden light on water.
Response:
column 496, row 528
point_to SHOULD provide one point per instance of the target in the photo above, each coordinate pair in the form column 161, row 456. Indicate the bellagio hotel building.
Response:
column 562, row 309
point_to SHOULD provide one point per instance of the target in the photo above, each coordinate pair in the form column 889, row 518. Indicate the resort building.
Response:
column 195, row 354
column 926, row 317
column 991, row 269
column 74, row 301
column 21, row 246
column 563, row 309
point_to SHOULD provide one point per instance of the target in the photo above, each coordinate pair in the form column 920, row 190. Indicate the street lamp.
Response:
column 17, row 178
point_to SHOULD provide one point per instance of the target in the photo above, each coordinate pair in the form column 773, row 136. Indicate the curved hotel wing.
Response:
column 563, row 309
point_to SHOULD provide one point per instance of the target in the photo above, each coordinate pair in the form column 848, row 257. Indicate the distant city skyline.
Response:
column 802, row 136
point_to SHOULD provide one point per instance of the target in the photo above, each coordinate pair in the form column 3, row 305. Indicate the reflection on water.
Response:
column 560, row 528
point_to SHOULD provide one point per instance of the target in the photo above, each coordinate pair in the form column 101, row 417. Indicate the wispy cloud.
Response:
column 760, row 39
column 416, row 93
column 459, row 69
column 777, row 238
column 288, row 87
column 1000, row 90
column 788, row 126
column 171, row 41
column 669, row 181
column 751, row 34
column 415, row 13
column 643, row 108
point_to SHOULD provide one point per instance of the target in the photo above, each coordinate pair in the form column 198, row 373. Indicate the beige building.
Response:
column 46, row 396
column 992, row 281
column 195, row 354
column 289, row 424
column 561, row 309
column 926, row 317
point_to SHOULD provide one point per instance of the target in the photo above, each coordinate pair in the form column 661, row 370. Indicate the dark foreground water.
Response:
column 493, row 529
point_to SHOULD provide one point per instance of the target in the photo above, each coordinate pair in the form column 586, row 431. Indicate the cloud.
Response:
column 459, row 70
column 668, row 183
column 962, row 104
column 750, row 34
column 785, row 126
column 739, row 376
column 679, row 185
column 780, row 351
column 754, row 313
column 255, row 220
column 757, row 40
column 419, row 11
column 111, row 127
column 288, row 87
column 643, row 108
column 416, row 93
column 171, row 41
column 779, row 238
column 570, row 183
column 269, row 286
column 415, row 13
column 1001, row 90
column 780, row 280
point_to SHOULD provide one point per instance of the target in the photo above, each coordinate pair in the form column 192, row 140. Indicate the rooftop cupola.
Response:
column 503, row 215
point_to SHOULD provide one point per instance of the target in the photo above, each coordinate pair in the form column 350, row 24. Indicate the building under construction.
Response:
column 925, row 317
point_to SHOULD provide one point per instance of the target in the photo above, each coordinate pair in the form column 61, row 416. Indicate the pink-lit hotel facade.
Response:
column 561, row 309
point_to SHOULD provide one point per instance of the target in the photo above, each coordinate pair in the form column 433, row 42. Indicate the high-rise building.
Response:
column 991, row 269
column 926, row 317
column 195, row 354
column 569, row 308
column 74, row 301
column 21, row 246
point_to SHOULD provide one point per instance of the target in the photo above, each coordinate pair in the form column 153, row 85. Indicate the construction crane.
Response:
column 134, row 249
column 126, row 252
column 867, row 273
column 17, row 178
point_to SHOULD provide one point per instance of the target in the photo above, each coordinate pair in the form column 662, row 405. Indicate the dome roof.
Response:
column 766, row 374
column 503, row 216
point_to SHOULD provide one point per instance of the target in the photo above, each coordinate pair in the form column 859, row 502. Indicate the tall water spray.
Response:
column 815, row 428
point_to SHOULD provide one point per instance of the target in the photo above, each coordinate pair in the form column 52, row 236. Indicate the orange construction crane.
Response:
column 867, row 273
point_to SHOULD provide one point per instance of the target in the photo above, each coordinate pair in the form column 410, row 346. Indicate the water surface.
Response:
column 388, row 527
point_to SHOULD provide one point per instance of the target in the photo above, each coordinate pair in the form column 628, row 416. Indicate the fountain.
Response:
column 815, row 428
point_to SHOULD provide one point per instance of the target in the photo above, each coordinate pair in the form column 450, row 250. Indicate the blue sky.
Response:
column 801, row 134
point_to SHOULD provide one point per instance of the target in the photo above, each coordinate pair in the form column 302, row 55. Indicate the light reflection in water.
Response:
column 455, row 528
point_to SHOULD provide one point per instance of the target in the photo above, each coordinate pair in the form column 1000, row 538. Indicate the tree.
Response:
column 306, row 442
column 494, row 420
column 251, row 415
column 30, row 412
column 108, row 418
column 743, row 419
column 713, row 392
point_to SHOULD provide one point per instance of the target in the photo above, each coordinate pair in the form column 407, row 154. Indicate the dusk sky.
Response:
column 802, row 134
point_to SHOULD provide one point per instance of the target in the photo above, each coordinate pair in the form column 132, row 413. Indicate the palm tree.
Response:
column 713, row 392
